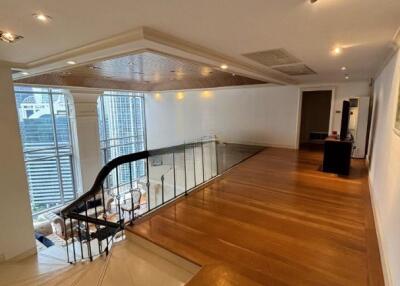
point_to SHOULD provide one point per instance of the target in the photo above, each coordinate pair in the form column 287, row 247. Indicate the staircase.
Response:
column 131, row 262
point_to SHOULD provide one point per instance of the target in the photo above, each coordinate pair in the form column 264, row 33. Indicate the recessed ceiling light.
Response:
column 347, row 76
column 337, row 51
column 313, row 1
column 343, row 68
column 9, row 37
column 224, row 66
column 71, row 62
column 25, row 73
column 42, row 17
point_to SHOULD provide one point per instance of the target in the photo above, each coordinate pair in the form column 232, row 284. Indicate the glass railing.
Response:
column 97, row 218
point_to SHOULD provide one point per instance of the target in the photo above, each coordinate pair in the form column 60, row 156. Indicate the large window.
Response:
column 122, row 131
column 46, row 139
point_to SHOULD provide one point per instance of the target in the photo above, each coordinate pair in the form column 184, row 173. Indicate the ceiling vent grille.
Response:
column 295, row 70
column 275, row 57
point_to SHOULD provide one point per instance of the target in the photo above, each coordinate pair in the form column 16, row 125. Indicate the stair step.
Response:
column 221, row 274
column 129, row 263
column 133, row 265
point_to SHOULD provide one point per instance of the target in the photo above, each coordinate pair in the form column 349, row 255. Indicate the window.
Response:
column 122, row 131
column 46, row 140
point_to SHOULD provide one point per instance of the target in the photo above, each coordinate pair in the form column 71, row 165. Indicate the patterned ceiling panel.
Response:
column 147, row 71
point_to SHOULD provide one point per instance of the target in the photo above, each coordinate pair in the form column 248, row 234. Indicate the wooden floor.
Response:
column 278, row 220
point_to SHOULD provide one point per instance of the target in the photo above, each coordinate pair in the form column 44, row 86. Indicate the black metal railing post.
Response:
column 66, row 238
column 184, row 167
column 80, row 238
column 148, row 184
column 132, row 212
column 72, row 238
column 162, row 189
column 87, row 234
column 118, row 195
column 174, row 173
column 202, row 159
column 216, row 157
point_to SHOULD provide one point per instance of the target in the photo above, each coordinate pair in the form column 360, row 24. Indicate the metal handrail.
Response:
column 102, row 225
column 107, row 169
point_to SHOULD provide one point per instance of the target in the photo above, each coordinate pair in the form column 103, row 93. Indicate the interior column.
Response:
column 84, row 120
column 16, row 235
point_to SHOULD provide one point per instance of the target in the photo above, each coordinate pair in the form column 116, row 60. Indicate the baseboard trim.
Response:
column 22, row 255
column 256, row 143
column 378, row 226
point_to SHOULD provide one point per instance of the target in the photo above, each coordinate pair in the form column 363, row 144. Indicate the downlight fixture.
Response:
column 337, row 51
column 9, row 37
column 313, row 1
column 42, row 17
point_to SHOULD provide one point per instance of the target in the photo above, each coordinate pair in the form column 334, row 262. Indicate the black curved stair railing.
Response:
column 129, row 187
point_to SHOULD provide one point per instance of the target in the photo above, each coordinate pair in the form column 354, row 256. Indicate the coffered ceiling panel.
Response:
column 145, row 71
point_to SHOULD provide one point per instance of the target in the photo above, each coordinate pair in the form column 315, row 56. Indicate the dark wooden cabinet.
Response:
column 337, row 156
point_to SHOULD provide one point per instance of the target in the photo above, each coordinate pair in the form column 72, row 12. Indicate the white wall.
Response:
column 16, row 229
column 263, row 115
column 385, row 169
column 254, row 115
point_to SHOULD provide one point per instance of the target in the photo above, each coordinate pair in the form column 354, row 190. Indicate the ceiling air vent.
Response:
column 275, row 57
column 294, row 70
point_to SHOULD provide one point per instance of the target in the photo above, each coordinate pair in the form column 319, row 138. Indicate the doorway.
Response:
column 315, row 118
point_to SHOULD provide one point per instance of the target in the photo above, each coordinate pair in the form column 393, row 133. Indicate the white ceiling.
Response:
column 365, row 28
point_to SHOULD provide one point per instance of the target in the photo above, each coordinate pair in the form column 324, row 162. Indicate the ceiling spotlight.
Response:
column 347, row 76
column 9, row 37
column 25, row 73
column 337, row 51
column 313, row 1
column 71, row 62
column 42, row 17
column 343, row 68
column 224, row 66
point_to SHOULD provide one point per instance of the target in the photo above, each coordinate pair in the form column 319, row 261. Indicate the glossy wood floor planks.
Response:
column 277, row 220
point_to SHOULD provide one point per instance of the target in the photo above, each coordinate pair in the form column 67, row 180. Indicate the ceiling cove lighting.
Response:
column 157, row 96
column 180, row 95
column 42, row 17
column 9, row 37
column 224, row 66
column 71, row 62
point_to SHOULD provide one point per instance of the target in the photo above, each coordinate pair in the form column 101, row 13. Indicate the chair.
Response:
column 131, row 203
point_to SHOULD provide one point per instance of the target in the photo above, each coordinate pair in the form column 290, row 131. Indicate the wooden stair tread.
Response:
column 220, row 274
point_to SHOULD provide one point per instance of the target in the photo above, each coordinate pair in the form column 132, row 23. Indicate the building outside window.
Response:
column 122, row 131
column 46, row 140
